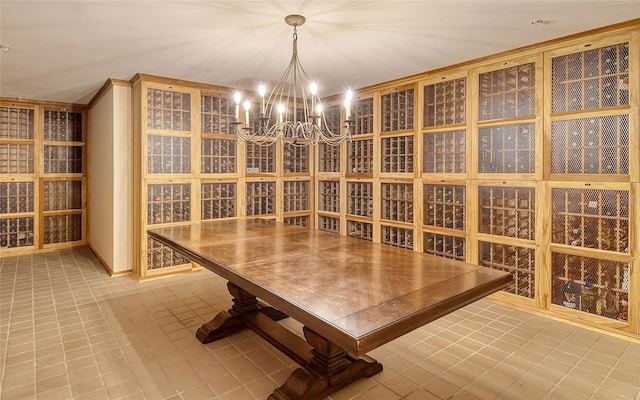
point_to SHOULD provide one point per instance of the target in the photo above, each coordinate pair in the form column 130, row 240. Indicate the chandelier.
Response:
column 293, row 112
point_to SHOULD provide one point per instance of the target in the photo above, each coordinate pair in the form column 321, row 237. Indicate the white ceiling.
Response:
column 65, row 50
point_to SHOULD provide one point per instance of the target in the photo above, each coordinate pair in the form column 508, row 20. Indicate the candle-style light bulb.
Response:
column 347, row 103
column 247, row 107
column 262, row 90
column 237, row 97
column 280, row 112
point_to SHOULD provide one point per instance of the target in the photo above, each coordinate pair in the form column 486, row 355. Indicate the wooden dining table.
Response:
column 350, row 295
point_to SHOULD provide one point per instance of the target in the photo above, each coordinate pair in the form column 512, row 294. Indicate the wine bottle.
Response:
column 571, row 294
column 588, row 297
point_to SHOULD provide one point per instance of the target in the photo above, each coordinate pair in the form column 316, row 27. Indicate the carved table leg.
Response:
column 329, row 370
column 228, row 322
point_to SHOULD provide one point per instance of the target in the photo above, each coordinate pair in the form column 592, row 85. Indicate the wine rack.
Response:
column 168, row 110
column 299, row 220
column 444, row 103
column 16, row 158
column 329, row 158
column 597, row 286
column 16, row 126
column 360, row 229
column 397, row 237
column 507, row 211
column 520, row 261
column 44, row 207
column 216, row 113
column 444, row 206
column 446, row 246
column 168, row 203
column 397, row 202
column 360, row 156
column 16, row 232
column 329, row 224
column 397, row 154
column 397, row 110
column 507, row 149
column 60, row 159
column 296, row 159
column 16, row 197
column 260, row 159
column 261, row 198
column 168, row 154
column 590, row 79
column 332, row 118
column 329, row 196
column 16, row 123
column 62, row 228
column 445, row 152
column 218, row 200
column 595, row 145
column 161, row 256
column 360, row 198
column 218, row 156
column 62, row 195
column 507, row 93
column 62, row 126
column 592, row 218
column 363, row 116
column 296, row 196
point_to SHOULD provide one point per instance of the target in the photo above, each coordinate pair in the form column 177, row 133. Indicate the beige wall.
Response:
column 110, row 231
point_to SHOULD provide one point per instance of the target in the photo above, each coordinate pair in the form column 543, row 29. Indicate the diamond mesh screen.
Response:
column 16, row 232
column 444, row 152
column 261, row 198
column 360, row 230
column 62, row 228
column 16, row 123
column 329, row 196
column 300, row 220
column 507, row 149
column 62, row 195
column 218, row 200
column 596, row 145
column 218, row 156
column 507, row 212
column 360, row 156
column 445, row 103
column 397, row 237
column 591, row 285
column 162, row 256
column 16, row 158
column 16, row 197
column 363, row 115
column 444, row 206
column 591, row 218
column 168, row 203
column 507, row 93
column 329, row 224
column 520, row 261
column 594, row 78
column 445, row 246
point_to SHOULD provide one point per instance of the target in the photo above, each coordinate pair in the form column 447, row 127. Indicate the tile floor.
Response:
column 69, row 331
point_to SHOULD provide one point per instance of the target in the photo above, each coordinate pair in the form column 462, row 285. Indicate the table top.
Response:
column 354, row 292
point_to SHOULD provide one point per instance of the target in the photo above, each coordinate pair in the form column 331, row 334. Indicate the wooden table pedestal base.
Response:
column 326, row 367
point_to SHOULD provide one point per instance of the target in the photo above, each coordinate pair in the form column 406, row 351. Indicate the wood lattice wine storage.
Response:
column 42, row 176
